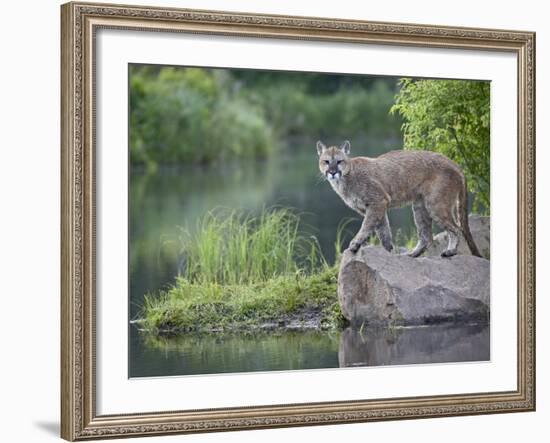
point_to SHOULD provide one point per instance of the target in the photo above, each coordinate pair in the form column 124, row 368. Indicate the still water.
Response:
column 163, row 202
column 215, row 353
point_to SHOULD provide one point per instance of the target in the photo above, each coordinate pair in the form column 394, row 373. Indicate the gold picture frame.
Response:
column 79, row 22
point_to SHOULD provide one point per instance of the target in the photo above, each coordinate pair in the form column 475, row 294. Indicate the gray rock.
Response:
column 480, row 227
column 376, row 287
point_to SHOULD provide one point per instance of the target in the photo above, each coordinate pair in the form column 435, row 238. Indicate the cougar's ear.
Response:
column 320, row 147
column 346, row 147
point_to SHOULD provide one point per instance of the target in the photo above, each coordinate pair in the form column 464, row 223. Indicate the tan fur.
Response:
column 431, row 182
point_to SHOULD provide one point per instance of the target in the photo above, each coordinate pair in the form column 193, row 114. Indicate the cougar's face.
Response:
column 333, row 161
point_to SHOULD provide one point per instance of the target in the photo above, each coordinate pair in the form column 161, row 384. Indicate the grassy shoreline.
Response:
column 298, row 301
column 247, row 271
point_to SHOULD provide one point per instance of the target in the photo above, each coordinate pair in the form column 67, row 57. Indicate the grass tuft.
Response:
column 243, row 270
column 232, row 247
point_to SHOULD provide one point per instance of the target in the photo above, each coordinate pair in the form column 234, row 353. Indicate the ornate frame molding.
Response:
column 79, row 24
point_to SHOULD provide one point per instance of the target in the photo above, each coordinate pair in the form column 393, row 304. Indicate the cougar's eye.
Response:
column 326, row 162
column 338, row 162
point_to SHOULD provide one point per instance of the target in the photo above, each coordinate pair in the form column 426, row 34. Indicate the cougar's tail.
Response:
column 464, row 224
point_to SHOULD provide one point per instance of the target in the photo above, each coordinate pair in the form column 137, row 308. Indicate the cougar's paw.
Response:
column 447, row 253
column 414, row 253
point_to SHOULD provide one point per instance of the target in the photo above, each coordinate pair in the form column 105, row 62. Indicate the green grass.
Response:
column 400, row 240
column 232, row 247
column 243, row 270
column 218, row 307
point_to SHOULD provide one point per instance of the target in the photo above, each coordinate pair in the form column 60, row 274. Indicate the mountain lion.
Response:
column 434, row 185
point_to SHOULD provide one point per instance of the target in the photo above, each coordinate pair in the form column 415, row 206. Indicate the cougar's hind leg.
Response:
column 383, row 232
column 444, row 218
column 423, row 223
column 440, row 203
column 453, row 233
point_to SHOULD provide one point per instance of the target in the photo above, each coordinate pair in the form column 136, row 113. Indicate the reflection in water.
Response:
column 424, row 344
column 170, row 198
column 221, row 353
column 278, row 351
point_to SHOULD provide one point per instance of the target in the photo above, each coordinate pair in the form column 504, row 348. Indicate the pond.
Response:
column 222, row 353
column 164, row 201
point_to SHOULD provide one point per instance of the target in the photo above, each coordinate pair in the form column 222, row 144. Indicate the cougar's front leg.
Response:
column 375, row 218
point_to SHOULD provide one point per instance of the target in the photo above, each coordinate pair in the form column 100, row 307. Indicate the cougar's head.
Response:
column 334, row 160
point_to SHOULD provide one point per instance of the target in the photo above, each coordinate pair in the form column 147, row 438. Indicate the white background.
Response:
column 29, row 225
column 117, row 394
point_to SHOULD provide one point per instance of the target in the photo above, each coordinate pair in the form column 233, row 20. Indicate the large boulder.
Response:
column 379, row 288
column 480, row 227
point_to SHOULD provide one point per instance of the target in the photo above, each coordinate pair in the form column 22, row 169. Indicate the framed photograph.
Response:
column 277, row 221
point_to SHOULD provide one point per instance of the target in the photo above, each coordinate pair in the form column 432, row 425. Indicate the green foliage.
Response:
column 294, row 110
column 191, row 116
column 451, row 117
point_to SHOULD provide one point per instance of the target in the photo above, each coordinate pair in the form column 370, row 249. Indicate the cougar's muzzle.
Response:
column 333, row 172
column 334, row 175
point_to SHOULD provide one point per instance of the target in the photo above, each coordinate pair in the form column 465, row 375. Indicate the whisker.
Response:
column 320, row 178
